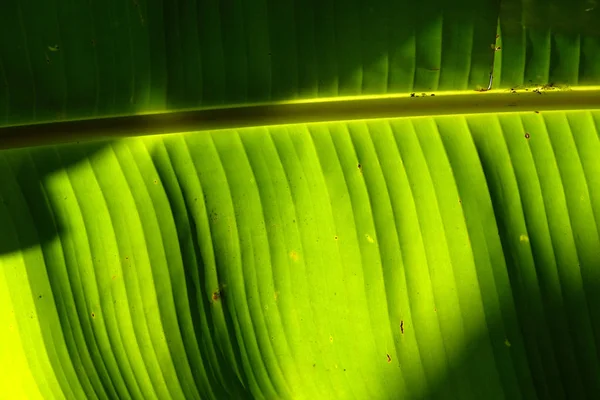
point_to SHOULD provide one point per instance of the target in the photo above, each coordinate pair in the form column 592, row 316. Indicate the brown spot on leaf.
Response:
column 402, row 327
column 389, row 358
column 216, row 295
column 527, row 135
column 93, row 315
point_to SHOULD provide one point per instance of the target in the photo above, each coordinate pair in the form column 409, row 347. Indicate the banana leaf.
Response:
column 289, row 199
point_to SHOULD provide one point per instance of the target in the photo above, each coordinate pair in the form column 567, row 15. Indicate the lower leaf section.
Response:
column 451, row 256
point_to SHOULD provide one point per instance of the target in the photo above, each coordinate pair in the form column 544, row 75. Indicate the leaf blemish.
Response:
column 389, row 359
column 402, row 327
column 294, row 255
column 527, row 135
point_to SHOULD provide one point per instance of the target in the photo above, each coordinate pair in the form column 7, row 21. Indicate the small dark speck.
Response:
column 537, row 112
column 389, row 359
column 314, row 365
column 402, row 327
column 412, row 95
column 344, row 369
column 527, row 135
column 93, row 315
column 65, row 197
column 432, row 94
column 40, row 296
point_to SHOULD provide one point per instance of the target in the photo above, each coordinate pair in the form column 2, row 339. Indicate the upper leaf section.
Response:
column 63, row 60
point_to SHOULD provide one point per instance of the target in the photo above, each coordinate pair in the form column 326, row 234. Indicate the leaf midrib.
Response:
column 303, row 111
